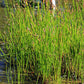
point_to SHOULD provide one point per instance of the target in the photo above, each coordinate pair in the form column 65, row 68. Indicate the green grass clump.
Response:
column 47, row 46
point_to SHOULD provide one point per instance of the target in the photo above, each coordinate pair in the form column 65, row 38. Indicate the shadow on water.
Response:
column 3, row 77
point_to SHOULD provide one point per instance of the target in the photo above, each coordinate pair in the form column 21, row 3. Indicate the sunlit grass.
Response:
column 45, row 45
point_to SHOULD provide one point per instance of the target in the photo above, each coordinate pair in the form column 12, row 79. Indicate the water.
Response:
column 3, row 72
column 3, row 76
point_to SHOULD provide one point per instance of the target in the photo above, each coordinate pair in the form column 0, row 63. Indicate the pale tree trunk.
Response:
column 53, row 6
column 52, row 3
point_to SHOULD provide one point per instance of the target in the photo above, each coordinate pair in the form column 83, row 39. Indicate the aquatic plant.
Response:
column 44, row 45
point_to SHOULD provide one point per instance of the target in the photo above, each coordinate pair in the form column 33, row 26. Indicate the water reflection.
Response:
column 2, row 72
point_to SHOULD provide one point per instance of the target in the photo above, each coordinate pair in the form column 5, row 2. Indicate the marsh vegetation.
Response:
column 41, row 47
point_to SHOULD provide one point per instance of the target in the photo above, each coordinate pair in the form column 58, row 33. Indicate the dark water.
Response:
column 3, row 77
